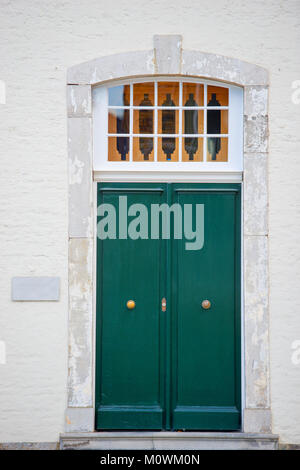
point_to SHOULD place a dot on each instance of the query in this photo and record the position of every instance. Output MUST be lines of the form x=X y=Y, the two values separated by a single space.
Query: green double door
x=168 y=363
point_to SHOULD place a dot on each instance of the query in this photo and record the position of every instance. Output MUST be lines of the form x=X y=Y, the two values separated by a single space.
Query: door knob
x=130 y=304
x=206 y=304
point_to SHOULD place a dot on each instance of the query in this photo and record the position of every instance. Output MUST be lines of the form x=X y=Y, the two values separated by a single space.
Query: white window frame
x=235 y=131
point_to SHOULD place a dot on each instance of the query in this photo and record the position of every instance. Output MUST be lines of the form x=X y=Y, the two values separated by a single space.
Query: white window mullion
x=131 y=124
x=180 y=121
x=155 y=121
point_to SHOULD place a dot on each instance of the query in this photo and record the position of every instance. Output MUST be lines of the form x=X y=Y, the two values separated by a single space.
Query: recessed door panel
x=130 y=358
x=206 y=369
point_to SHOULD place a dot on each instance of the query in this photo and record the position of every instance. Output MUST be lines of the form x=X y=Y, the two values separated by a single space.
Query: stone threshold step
x=168 y=441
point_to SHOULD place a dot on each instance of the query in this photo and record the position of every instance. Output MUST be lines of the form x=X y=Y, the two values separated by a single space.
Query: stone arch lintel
x=167 y=57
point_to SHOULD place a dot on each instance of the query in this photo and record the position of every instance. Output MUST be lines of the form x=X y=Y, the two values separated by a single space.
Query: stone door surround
x=167 y=58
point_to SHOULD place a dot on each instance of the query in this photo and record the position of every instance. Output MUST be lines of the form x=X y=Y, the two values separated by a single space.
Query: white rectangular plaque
x=35 y=288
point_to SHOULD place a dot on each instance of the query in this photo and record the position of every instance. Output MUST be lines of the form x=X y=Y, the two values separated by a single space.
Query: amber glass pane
x=217 y=121
x=143 y=121
x=119 y=95
x=217 y=149
x=143 y=94
x=192 y=121
x=143 y=149
x=118 y=121
x=217 y=96
x=192 y=94
x=192 y=149
x=167 y=149
x=118 y=149
x=167 y=121
x=224 y=122
x=168 y=94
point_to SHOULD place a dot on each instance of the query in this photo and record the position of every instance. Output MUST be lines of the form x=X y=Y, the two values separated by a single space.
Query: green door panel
x=178 y=369
x=130 y=358
x=206 y=343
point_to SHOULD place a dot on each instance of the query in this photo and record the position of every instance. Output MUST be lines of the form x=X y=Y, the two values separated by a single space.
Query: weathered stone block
x=256 y=100
x=79 y=420
x=79 y=100
x=167 y=49
x=255 y=134
x=113 y=66
x=256 y=320
x=80 y=383
x=80 y=177
x=257 y=420
x=255 y=194
x=222 y=68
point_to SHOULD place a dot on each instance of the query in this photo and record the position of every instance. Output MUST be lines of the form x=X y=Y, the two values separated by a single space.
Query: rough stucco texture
x=39 y=42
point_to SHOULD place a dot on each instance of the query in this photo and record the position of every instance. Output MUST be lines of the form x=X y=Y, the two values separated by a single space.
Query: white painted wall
x=40 y=40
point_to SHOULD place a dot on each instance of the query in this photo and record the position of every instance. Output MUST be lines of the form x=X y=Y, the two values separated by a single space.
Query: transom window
x=167 y=122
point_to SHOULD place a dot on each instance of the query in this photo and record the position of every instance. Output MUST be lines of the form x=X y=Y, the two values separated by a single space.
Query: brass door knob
x=206 y=304
x=130 y=304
